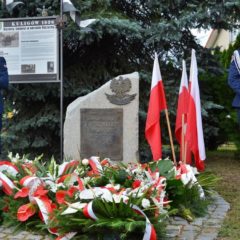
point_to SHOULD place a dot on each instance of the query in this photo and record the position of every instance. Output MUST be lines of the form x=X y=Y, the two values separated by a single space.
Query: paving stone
x=218 y=215
x=17 y=237
x=189 y=235
x=209 y=229
x=174 y=227
x=35 y=237
x=197 y=222
x=2 y=235
x=216 y=222
x=180 y=221
x=212 y=208
x=191 y=227
x=209 y=236
x=7 y=230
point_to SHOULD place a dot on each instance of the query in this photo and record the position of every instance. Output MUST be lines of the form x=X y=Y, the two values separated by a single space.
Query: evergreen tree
x=123 y=40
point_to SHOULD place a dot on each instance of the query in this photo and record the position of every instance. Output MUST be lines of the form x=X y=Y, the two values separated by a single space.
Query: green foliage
x=121 y=41
x=164 y=167
x=187 y=201
x=115 y=219
x=9 y=216
x=118 y=211
x=208 y=181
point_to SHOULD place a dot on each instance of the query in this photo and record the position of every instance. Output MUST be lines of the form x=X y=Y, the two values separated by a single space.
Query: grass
x=226 y=164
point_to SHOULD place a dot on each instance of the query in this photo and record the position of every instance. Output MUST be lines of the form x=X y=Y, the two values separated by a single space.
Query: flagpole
x=183 y=141
x=170 y=137
x=185 y=151
x=61 y=82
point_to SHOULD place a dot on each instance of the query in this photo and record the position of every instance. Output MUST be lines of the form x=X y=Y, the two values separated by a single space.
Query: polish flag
x=157 y=103
x=194 y=134
x=182 y=109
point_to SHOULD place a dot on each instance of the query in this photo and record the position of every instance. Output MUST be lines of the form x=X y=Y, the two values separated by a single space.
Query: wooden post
x=183 y=141
x=185 y=152
x=170 y=137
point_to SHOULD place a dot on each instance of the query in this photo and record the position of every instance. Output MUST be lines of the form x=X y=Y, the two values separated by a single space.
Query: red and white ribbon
x=28 y=181
x=7 y=184
x=9 y=167
x=45 y=208
x=95 y=165
x=73 y=177
x=88 y=211
x=150 y=233
x=32 y=183
x=66 y=166
x=67 y=236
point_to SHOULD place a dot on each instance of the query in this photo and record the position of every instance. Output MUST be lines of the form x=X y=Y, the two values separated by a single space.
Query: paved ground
x=206 y=228
x=179 y=229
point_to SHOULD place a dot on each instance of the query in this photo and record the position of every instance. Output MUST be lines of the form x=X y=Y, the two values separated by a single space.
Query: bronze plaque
x=102 y=133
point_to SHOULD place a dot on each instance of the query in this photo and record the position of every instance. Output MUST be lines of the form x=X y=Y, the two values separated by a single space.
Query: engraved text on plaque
x=102 y=133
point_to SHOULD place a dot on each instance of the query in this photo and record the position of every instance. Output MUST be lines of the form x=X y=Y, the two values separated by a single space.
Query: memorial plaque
x=102 y=133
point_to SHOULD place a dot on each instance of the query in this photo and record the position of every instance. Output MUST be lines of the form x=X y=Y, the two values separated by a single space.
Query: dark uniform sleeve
x=234 y=78
x=4 y=81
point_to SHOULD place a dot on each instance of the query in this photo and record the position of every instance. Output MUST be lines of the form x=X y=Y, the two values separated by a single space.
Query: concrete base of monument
x=205 y=228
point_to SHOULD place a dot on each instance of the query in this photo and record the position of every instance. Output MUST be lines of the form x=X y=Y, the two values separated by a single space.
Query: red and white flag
x=194 y=134
x=157 y=103
x=181 y=118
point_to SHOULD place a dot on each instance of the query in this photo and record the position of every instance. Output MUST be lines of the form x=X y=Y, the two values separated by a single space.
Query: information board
x=30 y=47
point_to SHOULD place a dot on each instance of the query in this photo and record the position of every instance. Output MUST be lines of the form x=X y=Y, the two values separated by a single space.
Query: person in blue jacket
x=4 y=81
x=234 y=81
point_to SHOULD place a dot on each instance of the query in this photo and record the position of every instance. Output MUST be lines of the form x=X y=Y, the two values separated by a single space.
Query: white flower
x=117 y=187
x=73 y=208
x=85 y=161
x=145 y=203
x=117 y=198
x=79 y=171
x=15 y=158
x=60 y=185
x=194 y=170
x=69 y=181
x=137 y=170
x=137 y=192
x=189 y=177
x=201 y=191
x=10 y=155
x=86 y=180
x=87 y=194
x=52 y=185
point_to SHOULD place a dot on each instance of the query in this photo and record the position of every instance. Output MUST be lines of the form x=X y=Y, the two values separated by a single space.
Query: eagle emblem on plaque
x=120 y=87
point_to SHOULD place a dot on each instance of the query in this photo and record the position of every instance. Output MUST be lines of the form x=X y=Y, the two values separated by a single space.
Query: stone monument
x=104 y=123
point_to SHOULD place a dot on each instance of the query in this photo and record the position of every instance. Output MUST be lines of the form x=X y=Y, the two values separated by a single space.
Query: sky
x=202 y=35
